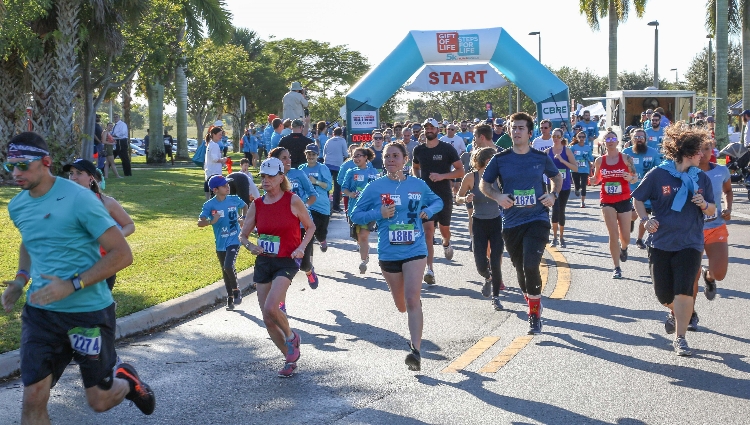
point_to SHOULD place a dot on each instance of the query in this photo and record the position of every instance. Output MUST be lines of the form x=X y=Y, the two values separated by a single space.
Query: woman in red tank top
x=277 y=216
x=615 y=171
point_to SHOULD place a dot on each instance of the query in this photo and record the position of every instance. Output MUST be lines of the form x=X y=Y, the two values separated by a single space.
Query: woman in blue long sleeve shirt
x=398 y=203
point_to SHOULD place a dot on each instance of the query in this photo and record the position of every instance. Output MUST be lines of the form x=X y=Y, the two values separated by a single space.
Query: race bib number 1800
x=269 y=244
x=524 y=198
x=86 y=341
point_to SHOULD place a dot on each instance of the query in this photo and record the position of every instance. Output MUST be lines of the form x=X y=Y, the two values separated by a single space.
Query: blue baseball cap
x=312 y=147
x=218 y=181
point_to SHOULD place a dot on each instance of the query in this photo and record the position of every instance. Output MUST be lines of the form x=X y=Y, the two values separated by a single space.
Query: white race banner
x=462 y=45
x=364 y=120
x=457 y=77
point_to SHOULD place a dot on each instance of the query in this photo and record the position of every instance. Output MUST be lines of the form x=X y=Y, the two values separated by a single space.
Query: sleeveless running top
x=614 y=186
x=277 y=221
x=564 y=170
x=484 y=207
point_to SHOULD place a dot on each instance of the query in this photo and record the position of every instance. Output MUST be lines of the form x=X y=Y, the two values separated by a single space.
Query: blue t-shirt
x=357 y=178
x=322 y=139
x=249 y=144
x=410 y=196
x=654 y=138
x=592 y=131
x=677 y=229
x=643 y=163
x=301 y=185
x=467 y=136
x=583 y=157
x=323 y=174
x=227 y=228
x=718 y=174
x=267 y=132
x=60 y=231
x=521 y=176
x=346 y=166
x=275 y=139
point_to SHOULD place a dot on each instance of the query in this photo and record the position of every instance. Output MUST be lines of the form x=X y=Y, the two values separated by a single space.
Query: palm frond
x=589 y=9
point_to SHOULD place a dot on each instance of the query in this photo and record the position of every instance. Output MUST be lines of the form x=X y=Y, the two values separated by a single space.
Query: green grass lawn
x=171 y=255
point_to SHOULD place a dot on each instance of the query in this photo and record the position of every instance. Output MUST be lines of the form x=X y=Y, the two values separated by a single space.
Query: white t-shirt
x=541 y=144
x=211 y=164
x=457 y=143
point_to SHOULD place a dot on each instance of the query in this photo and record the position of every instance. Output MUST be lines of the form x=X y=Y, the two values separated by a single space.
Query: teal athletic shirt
x=357 y=178
x=410 y=196
x=583 y=157
x=322 y=173
x=346 y=166
x=60 y=231
x=592 y=131
x=521 y=176
x=643 y=163
x=301 y=187
x=654 y=138
x=227 y=228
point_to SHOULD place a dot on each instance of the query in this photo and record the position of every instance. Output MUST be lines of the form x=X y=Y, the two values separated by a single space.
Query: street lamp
x=655 y=24
x=675 y=75
x=539 y=34
x=710 y=57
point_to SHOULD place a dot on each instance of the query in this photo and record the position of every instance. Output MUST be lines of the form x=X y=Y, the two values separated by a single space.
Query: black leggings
x=306 y=264
x=489 y=231
x=581 y=180
x=227 y=259
x=558 y=210
x=525 y=244
x=336 y=205
x=321 y=225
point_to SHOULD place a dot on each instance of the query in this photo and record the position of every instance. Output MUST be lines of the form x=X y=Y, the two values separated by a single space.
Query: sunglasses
x=610 y=139
x=377 y=138
x=21 y=165
x=544 y=128
x=359 y=155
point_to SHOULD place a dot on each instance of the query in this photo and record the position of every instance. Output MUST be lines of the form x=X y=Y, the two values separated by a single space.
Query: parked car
x=137 y=150
x=192 y=145
x=137 y=142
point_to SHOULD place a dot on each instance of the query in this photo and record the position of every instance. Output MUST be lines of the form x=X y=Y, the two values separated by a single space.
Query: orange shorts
x=716 y=235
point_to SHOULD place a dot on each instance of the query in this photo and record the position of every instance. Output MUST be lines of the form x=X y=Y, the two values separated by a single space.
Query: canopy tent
x=462 y=48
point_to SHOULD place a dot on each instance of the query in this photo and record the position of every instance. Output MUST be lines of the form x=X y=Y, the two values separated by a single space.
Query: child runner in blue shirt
x=354 y=183
x=319 y=176
x=398 y=203
x=223 y=213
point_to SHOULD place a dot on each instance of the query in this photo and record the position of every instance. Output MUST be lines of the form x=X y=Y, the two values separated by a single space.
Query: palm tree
x=218 y=22
x=737 y=22
x=616 y=11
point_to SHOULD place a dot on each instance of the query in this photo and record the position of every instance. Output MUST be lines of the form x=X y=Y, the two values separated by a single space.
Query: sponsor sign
x=555 y=111
x=364 y=120
x=463 y=45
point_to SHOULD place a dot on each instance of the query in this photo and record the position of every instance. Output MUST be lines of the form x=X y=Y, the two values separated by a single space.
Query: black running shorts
x=673 y=272
x=396 y=266
x=269 y=268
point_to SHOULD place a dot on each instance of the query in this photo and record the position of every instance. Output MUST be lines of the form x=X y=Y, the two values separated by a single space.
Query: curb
x=174 y=309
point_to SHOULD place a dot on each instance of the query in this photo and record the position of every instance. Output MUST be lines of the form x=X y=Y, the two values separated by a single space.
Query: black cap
x=83 y=165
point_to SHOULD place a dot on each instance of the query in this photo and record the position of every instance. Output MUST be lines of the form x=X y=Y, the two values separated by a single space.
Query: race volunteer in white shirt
x=545 y=140
x=122 y=145
x=458 y=143
x=214 y=162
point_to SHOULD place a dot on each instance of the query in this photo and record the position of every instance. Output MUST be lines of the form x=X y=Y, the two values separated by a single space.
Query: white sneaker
x=363 y=265
x=429 y=277
x=448 y=251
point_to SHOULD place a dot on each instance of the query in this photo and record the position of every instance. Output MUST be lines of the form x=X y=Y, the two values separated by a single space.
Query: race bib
x=396 y=199
x=613 y=188
x=86 y=341
x=524 y=198
x=269 y=244
x=582 y=163
x=401 y=234
x=711 y=217
x=563 y=171
x=359 y=177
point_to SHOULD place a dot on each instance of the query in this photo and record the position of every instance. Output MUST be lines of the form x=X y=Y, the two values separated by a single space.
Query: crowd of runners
x=402 y=186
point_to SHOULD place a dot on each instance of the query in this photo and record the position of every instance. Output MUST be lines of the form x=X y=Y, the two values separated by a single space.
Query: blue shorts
x=46 y=347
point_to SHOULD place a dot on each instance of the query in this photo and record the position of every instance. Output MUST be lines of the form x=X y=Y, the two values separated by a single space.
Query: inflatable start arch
x=457 y=60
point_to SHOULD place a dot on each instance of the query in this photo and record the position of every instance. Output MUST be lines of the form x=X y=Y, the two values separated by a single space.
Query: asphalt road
x=603 y=358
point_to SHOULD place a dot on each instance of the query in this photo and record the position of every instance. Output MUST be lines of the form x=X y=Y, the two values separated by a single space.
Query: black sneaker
x=535 y=324
x=237 y=296
x=140 y=393
x=562 y=243
x=496 y=303
x=230 y=303
x=693 y=325
x=617 y=273
x=640 y=244
x=413 y=359
x=709 y=289
x=669 y=325
x=624 y=255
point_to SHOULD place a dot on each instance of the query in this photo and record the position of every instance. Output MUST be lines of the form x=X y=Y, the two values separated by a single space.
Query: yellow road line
x=563 y=274
x=471 y=354
x=544 y=271
x=507 y=354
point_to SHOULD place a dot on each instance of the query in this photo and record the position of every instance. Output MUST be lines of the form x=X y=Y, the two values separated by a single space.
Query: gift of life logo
x=455 y=45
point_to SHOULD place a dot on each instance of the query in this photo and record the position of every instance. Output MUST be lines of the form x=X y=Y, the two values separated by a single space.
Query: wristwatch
x=556 y=194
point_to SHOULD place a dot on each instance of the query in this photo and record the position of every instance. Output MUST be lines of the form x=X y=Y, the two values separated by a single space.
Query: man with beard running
x=644 y=159
x=526 y=224
x=432 y=162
